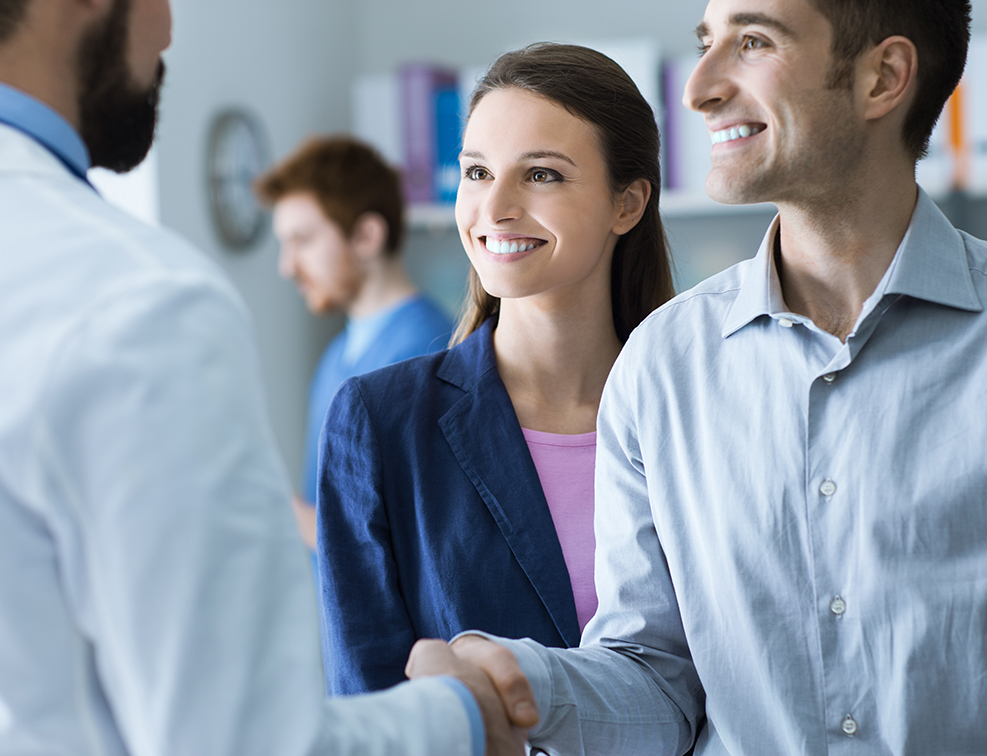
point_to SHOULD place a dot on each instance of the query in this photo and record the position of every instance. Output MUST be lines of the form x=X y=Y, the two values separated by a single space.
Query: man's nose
x=710 y=83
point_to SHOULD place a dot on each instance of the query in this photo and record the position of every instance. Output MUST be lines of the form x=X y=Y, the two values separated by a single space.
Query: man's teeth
x=508 y=247
x=737 y=132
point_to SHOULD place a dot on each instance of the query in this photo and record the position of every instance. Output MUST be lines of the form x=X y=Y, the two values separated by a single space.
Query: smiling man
x=154 y=597
x=791 y=482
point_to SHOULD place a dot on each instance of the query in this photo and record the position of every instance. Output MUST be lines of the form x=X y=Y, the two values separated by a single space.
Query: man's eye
x=752 y=43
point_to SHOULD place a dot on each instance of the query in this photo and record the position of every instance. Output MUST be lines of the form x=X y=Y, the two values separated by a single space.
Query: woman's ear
x=631 y=205
x=369 y=236
x=886 y=76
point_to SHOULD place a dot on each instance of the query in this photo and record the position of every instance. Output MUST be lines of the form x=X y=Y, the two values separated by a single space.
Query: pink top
x=565 y=468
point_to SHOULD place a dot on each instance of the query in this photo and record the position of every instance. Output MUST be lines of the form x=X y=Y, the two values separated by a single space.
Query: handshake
x=493 y=676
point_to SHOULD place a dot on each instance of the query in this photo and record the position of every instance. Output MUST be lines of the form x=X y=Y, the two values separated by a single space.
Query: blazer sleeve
x=366 y=629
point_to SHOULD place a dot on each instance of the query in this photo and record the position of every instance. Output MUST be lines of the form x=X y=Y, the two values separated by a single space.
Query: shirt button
x=837 y=606
x=786 y=322
x=849 y=726
x=828 y=488
x=829 y=377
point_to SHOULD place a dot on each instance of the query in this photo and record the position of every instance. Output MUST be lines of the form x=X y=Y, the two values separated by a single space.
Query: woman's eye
x=475 y=173
x=543 y=176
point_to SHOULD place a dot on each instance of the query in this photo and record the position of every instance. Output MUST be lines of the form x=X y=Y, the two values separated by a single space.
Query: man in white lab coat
x=153 y=595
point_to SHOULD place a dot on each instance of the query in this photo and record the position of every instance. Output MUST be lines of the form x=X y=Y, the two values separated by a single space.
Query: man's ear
x=369 y=236
x=632 y=204
x=886 y=76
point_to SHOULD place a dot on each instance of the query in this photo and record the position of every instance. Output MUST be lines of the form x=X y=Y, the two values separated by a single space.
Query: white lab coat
x=154 y=596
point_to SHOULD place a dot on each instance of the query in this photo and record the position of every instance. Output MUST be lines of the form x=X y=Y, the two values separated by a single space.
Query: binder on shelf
x=934 y=172
x=469 y=77
x=448 y=138
x=640 y=57
x=975 y=110
x=687 y=154
x=421 y=84
x=376 y=114
x=957 y=156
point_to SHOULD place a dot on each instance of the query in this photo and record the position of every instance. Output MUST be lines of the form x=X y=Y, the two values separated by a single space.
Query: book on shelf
x=640 y=57
x=422 y=87
x=448 y=141
x=936 y=170
x=957 y=155
x=376 y=114
x=413 y=117
x=687 y=157
x=975 y=111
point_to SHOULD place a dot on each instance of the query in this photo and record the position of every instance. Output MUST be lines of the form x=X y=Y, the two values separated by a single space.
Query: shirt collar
x=930 y=264
x=46 y=126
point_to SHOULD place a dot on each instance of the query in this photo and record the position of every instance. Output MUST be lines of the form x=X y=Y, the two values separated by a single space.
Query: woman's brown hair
x=594 y=88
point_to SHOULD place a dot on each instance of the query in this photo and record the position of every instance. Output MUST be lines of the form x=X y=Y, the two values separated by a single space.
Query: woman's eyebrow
x=542 y=154
x=534 y=155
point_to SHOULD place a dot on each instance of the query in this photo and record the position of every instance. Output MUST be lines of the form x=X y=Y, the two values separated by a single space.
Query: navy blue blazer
x=431 y=518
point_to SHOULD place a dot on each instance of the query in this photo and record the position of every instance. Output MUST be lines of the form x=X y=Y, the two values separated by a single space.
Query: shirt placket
x=832 y=494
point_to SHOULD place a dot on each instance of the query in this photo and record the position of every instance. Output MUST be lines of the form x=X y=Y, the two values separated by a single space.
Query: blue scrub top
x=414 y=327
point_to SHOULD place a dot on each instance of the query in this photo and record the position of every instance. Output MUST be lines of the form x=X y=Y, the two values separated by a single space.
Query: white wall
x=463 y=34
x=393 y=31
x=290 y=62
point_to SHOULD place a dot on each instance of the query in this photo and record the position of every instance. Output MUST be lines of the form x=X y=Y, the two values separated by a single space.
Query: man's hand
x=305 y=517
x=506 y=690
x=504 y=672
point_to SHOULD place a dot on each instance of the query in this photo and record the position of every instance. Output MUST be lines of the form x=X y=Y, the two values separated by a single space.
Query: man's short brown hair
x=346 y=177
x=940 y=31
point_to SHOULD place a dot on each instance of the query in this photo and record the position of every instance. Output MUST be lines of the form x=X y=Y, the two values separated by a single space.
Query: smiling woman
x=456 y=490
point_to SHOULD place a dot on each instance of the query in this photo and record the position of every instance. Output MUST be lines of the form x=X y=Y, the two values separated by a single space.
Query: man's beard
x=116 y=116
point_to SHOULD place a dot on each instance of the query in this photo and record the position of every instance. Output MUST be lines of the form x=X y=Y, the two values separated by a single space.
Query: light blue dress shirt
x=792 y=531
x=47 y=127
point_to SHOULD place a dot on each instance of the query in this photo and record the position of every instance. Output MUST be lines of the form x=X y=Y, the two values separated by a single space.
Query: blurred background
x=295 y=65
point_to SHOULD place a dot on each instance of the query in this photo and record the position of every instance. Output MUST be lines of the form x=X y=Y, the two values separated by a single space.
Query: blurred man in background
x=339 y=216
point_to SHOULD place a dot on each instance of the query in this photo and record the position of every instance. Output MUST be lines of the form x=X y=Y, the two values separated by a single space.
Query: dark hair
x=12 y=12
x=347 y=178
x=940 y=31
x=592 y=87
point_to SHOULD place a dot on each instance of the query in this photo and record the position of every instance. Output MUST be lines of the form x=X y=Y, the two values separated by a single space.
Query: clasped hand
x=493 y=676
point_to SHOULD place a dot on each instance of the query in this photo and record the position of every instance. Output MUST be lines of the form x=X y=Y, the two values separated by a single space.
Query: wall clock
x=237 y=154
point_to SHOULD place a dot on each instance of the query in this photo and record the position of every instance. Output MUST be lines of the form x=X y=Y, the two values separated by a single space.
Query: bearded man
x=153 y=592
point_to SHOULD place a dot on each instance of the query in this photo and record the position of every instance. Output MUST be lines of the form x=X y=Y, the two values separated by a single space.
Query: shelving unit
x=674 y=205
x=439 y=218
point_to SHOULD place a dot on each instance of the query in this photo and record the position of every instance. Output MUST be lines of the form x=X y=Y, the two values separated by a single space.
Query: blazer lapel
x=486 y=439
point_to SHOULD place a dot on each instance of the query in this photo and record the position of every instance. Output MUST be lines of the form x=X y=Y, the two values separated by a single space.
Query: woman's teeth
x=508 y=247
x=737 y=132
